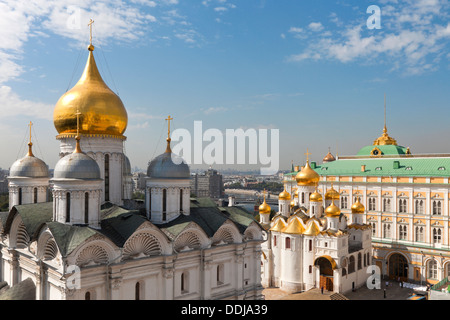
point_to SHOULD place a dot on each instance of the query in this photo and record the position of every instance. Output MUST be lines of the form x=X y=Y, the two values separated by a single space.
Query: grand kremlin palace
x=406 y=197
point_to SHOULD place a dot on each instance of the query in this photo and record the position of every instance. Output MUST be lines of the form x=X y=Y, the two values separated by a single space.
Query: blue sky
x=312 y=69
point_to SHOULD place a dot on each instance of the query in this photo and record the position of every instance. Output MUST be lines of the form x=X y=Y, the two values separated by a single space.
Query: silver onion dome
x=29 y=167
x=168 y=166
x=77 y=166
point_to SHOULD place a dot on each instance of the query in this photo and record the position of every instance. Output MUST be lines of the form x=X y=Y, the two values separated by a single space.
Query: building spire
x=385 y=139
x=90 y=47
x=30 y=144
x=77 y=138
x=168 y=149
x=307 y=154
x=385 y=126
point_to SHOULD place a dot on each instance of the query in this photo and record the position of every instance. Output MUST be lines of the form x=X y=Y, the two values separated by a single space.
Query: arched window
x=106 y=177
x=288 y=243
x=274 y=241
x=150 y=203
x=220 y=274
x=184 y=282
x=402 y=205
x=164 y=208
x=359 y=261
x=20 y=196
x=68 y=207
x=86 y=207
x=35 y=195
x=432 y=269
x=437 y=208
x=403 y=232
x=181 y=200
x=87 y=295
x=419 y=206
x=419 y=234
x=137 y=291
x=351 y=265
x=437 y=235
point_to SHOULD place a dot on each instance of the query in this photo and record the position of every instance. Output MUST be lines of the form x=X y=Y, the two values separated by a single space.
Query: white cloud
x=413 y=35
x=315 y=26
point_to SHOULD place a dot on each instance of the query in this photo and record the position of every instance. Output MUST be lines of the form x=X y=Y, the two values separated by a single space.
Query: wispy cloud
x=413 y=34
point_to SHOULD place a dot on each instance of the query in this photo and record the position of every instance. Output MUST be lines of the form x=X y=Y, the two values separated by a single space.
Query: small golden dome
x=358 y=207
x=103 y=112
x=296 y=192
x=329 y=157
x=294 y=227
x=315 y=197
x=332 y=194
x=332 y=211
x=279 y=225
x=385 y=139
x=264 y=208
x=307 y=176
x=284 y=195
x=312 y=229
x=292 y=204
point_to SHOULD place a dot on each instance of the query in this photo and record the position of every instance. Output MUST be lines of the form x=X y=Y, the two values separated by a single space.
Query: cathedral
x=311 y=243
x=77 y=237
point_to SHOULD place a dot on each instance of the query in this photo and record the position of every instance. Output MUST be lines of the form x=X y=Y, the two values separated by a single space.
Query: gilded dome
x=315 y=197
x=307 y=176
x=358 y=207
x=332 y=194
x=102 y=111
x=294 y=227
x=312 y=229
x=284 y=195
x=332 y=211
x=264 y=208
x=329 y=158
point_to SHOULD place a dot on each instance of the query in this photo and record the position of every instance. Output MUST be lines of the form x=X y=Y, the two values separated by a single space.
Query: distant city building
x=208 y=184
x=139 y=181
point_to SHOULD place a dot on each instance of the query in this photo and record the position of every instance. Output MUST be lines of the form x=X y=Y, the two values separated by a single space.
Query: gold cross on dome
x=30 y=124
x=90 y=30
x=168 y=131
x=307 y=154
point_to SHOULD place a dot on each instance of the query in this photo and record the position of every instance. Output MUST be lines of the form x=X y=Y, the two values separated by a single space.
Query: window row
x=419 y=233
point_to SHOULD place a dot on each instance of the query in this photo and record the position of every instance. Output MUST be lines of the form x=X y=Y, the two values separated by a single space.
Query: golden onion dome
x=358 y=207
x=292 y=204
x=264 y=208
x=332 y=194
x=332 y=211
x=284 y=195
x=307 y=176
x=102 y=111
x=296 y=192
x=315 y=197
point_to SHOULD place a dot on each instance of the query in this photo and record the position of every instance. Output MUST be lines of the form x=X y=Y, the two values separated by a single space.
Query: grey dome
x=168 y=166
x=30 y=167
x=77 y=166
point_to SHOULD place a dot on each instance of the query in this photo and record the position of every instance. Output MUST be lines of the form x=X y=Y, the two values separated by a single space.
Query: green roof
x=407 y=167
x=34 y=216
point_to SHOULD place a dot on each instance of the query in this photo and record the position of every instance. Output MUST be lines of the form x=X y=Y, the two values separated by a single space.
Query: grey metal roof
x=29 y=166
x=168 y=166
x=77 y=166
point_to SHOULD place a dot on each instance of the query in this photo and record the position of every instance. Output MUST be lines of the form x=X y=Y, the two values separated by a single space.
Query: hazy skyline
x=311 y=69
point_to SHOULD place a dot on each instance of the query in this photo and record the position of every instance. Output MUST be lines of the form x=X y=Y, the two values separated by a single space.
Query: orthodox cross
x=307 y=154
x=168 y=131
x=90 y=30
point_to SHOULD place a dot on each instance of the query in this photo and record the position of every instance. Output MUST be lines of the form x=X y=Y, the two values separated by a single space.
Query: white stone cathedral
x=76 y=239
x=311 y=244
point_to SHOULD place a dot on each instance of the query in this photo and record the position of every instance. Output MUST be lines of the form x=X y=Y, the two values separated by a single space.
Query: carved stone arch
x=193 y=237
x=142 y=244
x=227 y=233
x=19 y=237
x=252 y=233
x=93 y=252
x=47 y=248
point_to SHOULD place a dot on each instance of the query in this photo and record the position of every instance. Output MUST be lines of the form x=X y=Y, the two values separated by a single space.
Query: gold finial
x=77 y=138
x=307 y=154
x=385 y=127
x=168 y=149
x=30 y=144
x=90 y=47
